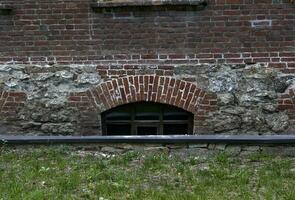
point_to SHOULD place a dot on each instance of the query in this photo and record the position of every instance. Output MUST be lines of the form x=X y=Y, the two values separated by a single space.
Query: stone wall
x=225 y=99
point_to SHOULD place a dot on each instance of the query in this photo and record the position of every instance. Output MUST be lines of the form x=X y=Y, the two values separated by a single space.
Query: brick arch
x=152 y=88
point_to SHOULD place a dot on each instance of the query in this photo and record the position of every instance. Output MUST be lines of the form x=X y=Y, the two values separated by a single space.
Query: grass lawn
x=62 y=172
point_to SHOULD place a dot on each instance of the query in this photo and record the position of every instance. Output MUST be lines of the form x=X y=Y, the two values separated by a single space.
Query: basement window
x=148 y=5
x=5 y=9
x=146 y=118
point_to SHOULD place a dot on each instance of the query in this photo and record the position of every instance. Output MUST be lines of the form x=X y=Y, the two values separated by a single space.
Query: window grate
x=146 y=118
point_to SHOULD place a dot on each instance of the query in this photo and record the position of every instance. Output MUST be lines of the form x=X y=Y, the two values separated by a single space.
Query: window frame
x=134 y=124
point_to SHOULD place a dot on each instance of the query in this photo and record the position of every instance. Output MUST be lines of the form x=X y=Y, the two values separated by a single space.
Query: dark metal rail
x=167 y=139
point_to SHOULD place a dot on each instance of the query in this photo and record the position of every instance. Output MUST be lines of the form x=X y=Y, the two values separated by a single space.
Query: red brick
x=176 y=56
x=287 y=101
x=75 y=98
x=149 y=56
x=126 y=85
x=277 y=65
x=286 y=107
x=188 y=101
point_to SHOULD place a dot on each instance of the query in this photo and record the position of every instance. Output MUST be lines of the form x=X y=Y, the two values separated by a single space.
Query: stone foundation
x=191 y=150
x=68 y=100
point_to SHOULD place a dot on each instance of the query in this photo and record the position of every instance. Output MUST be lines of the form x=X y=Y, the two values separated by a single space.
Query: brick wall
x=226 y=31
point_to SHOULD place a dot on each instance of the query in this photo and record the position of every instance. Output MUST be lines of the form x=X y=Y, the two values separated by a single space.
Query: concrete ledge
x=175 y=139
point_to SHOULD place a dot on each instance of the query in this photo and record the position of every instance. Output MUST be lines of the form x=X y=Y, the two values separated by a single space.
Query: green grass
x=61 y=172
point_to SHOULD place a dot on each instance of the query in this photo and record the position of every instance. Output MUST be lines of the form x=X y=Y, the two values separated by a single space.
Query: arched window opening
x=146 y=118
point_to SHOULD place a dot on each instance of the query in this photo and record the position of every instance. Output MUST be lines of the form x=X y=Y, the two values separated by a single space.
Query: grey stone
x=247 y=99
x=109 y=149
x=282 y=82
x=58 y=128
x=279 y=150
x=225 y=99
x=269 y=107
x=52 y=83
x=156 y=149
x=205 y=145
x=223 y=79
x=37 y=117
x=247 y=154
x=11 y=83
x=233 y=110
x=185 y=153
x=289 y=151
x=251 y=148
x=88 y=78
x=175 y=146
x=278 y=122
x=254 y=120
x=220 y=147
x=65 y=74
x=138 y=148
x=31 y=125
x=5 y=68
x=42 y=76
x=124 y=146
x=233 y=150
x=224 y=123
x=90 y=68
x=211 y=146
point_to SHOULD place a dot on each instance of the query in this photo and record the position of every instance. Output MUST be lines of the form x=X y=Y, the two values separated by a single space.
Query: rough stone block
x=109 y=149
x=233 y=150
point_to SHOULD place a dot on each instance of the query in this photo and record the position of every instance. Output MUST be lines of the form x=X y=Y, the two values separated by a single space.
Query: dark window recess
x=119 y=129
x=148 y=5
x=175 y=129
x=146 y=118
x=5 y=9
x=147 y=130
x=118 y=116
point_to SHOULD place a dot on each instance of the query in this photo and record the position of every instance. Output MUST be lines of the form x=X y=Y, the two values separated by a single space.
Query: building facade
x=83 y=67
